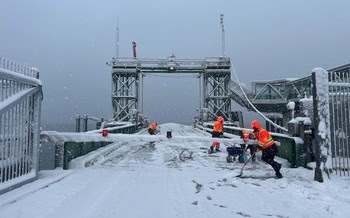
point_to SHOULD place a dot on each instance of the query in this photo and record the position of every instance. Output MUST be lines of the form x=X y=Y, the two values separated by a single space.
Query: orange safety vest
x=153 y=126
x=218 y=127
x=264 y=138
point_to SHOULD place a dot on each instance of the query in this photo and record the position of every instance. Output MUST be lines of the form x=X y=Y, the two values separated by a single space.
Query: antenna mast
x=223 y=34
x=117 y=40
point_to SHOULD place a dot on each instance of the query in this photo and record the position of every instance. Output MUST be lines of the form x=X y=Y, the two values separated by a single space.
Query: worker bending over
x=268 y=147
x=152 y=129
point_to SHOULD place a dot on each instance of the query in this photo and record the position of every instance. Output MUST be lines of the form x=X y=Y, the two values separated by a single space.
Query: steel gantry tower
x=127 y=82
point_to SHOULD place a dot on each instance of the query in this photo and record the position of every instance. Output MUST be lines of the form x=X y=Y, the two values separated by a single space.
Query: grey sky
x=70 y=42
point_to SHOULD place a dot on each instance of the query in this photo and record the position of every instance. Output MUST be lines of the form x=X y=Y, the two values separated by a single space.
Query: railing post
x=77 y=123
x=320 y=92
x=318 y=173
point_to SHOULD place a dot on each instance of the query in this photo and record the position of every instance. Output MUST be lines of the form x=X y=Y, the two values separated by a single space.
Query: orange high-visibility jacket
x=218 y=127
x=264 y=138
x=153 y=126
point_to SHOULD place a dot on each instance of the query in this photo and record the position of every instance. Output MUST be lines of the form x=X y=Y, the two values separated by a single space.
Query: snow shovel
x=250 y=158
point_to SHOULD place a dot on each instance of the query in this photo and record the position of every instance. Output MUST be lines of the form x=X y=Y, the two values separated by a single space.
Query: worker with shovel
x=268 y=147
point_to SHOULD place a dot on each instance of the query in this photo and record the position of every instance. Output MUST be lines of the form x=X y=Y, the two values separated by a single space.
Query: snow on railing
x=62 y=137
x=20 y=102
x=19 y=68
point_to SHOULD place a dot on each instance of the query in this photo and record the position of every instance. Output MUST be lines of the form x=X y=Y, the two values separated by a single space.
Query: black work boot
x=278 y=175
x=279 y=167
x=217 y=149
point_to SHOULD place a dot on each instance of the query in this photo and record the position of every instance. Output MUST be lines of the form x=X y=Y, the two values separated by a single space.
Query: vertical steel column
x=204 y=90
x=77 y=123
x=318 y=173
x=200 y=94
x=336 y=125
x=320 y=90
x=127 y=90
x=347 y=114
x=341 y=132
x=333 y=138
x=36 y=131
x=140 y=92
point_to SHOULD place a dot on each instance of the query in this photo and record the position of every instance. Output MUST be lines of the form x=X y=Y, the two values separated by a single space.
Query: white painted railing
x=20 y=103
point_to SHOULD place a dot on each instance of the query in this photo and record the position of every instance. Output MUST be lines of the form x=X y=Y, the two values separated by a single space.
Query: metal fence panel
x=331 y=118
x=20 y=103
x=339 y=109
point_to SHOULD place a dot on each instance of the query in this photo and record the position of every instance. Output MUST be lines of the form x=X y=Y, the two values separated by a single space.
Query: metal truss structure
x=216 y=87
x=273 y=96
x=127 y=82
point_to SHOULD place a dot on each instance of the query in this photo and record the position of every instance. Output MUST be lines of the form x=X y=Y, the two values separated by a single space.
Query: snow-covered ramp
x=172 y=179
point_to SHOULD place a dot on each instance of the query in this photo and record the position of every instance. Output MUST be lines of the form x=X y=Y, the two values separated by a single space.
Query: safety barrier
x=20 y=103
x=66 y=147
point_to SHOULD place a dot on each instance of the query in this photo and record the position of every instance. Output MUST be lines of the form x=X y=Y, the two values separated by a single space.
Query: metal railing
x=331 y=101
x=20 y=103
x=339 y=94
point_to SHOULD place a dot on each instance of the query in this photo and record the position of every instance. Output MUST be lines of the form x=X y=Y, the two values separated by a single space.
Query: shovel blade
x=240 y=174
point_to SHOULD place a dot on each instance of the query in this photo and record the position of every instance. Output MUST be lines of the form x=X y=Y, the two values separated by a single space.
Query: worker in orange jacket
x=152 y=129
x=268 y=147
x=218 y=131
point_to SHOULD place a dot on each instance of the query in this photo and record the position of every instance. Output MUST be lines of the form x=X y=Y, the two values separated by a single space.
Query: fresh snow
x=291 y=105
x=145 y=179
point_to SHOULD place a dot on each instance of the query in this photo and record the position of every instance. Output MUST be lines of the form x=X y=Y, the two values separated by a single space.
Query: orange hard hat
x=255 y=124
x=220 y=119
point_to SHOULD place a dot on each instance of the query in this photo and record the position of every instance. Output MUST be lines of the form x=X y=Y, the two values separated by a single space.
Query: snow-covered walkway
x=150 y=180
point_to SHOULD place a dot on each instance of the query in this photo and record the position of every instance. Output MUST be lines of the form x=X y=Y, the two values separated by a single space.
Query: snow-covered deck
x=143 y=179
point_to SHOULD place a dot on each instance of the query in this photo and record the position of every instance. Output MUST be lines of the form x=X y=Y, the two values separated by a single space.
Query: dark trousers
x=216 y=135
x=151 y=131
x=269 y=154
x=250 y=147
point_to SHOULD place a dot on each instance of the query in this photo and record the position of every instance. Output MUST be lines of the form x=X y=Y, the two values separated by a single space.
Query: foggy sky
x=70 y=42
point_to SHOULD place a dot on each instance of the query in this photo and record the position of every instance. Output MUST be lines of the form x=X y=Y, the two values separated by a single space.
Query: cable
x=251 y=104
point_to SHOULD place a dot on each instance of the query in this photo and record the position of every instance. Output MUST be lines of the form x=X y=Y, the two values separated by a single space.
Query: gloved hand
x=257 y=149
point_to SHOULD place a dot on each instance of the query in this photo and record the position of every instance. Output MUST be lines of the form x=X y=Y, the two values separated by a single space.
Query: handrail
x=26 y=80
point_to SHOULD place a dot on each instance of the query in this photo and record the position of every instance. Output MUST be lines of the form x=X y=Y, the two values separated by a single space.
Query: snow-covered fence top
x=22 y=69
x=20 y=102
x=62 y=137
